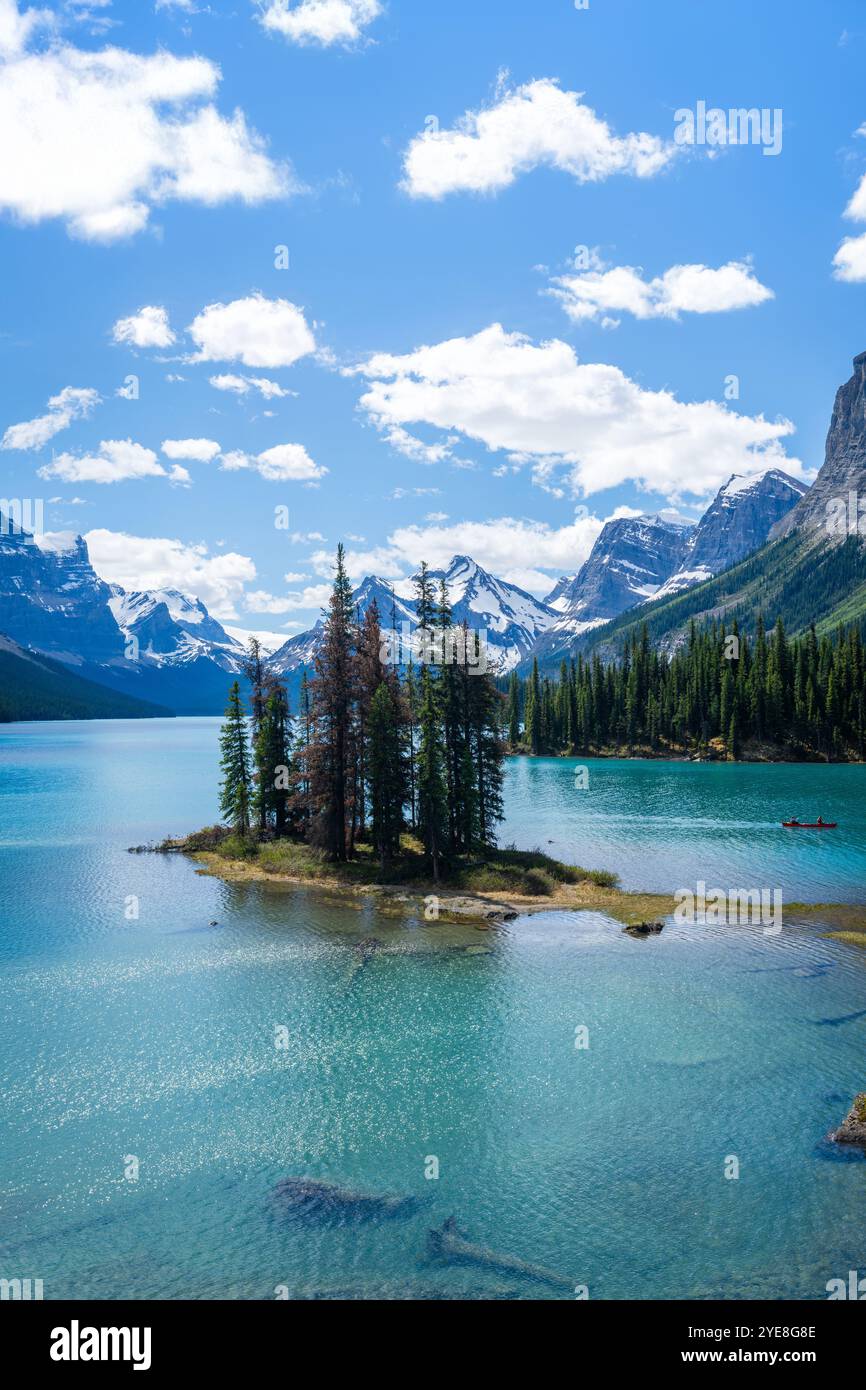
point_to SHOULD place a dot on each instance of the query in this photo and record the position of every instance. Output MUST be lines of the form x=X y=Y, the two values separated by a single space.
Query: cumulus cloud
x=411 y=448
x=601 y=291
x=200 y=450
x=585 y=422
x=256 y=331
x=72 y=403
x=116 y=461
x=17 y=28
x=849 y=263
x=100 y=138
x=527 y=127
x=242 y=385
x=512 y=548
x=323 y=22
x=149 y=328
x=283 y=463
x=149 y=562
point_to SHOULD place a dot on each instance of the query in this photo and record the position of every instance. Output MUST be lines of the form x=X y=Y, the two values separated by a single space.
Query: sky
x=425 y=279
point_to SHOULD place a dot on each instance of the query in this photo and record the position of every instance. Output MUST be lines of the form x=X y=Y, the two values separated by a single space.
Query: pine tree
x=533 y=711
x=331 y=769
x=432 y=794
x=386 y=772
x=235 y=789
x=513 y=710
x=273 y=763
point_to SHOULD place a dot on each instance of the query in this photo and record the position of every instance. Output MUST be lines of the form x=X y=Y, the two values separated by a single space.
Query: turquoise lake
x=150 y=1042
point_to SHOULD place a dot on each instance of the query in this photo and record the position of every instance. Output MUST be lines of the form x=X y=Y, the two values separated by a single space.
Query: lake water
x=150 y=1042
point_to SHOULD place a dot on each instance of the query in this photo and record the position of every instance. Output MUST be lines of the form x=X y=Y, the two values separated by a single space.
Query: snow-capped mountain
x=53 y=602
x=511 y=618
x=631 y=559
x=300 y=651
x=636 y=559
x=738 y=521
x=171 y=628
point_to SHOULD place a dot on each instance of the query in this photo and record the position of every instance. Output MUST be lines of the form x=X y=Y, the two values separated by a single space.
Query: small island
x=486 y=889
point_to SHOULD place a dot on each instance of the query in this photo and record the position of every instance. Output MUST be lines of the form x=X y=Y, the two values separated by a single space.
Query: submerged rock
x=853 y=1127
x=328 y=1200
x=644 y=928
x=450 y=1245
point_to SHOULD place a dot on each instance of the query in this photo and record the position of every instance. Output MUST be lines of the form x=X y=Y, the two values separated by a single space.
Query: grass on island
x=503 y=872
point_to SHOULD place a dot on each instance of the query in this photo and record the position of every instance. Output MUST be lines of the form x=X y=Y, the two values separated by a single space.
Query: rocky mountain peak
x=844 y=468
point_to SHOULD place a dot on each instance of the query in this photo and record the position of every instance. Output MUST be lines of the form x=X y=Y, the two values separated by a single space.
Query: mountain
x=808 y=572
x=737 y=522
x=512 y=619
x=36 y=687
x=844 y=468
x=558 y=596
x=631 y=559
x=52 y=602
x=299 y=653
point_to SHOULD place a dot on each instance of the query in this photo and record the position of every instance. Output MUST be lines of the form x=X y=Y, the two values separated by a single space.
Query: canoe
x=809 y=825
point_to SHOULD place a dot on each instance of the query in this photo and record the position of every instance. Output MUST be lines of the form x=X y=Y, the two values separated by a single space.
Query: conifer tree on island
x=236 y=788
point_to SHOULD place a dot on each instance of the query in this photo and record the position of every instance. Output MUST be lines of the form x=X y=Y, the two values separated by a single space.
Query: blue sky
x=140 y=188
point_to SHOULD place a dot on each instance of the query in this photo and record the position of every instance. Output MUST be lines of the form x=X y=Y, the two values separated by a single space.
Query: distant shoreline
x=751 y=758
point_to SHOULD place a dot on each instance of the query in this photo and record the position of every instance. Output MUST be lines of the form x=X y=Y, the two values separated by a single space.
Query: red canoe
x=809 y=825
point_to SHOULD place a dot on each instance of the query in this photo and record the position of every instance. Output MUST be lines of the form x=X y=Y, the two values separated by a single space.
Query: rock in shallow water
x=853 y=1127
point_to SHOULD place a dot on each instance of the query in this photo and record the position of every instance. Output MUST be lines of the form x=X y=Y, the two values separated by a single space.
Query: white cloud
x=149 y=328
x=849 y=263
x=512 y=548
x=16 y=28
x=319 y=21
x=306 y=538
x=689 y=289
x=257 y=331
x=200 y=450
x=260 y=601
x=100 y=138
x=72 y=403
x=411 y=448
x=282 y=463
x=536 y=124
x=139 y=562
x=242 y=385
x=117 y=460
x=312 y=597
x=586 y=421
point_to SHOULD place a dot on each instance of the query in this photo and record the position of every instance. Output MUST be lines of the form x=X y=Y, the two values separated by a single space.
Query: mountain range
x=763 y=543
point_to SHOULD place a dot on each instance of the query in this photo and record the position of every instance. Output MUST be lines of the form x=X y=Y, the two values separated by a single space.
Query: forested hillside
x=35 y=687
